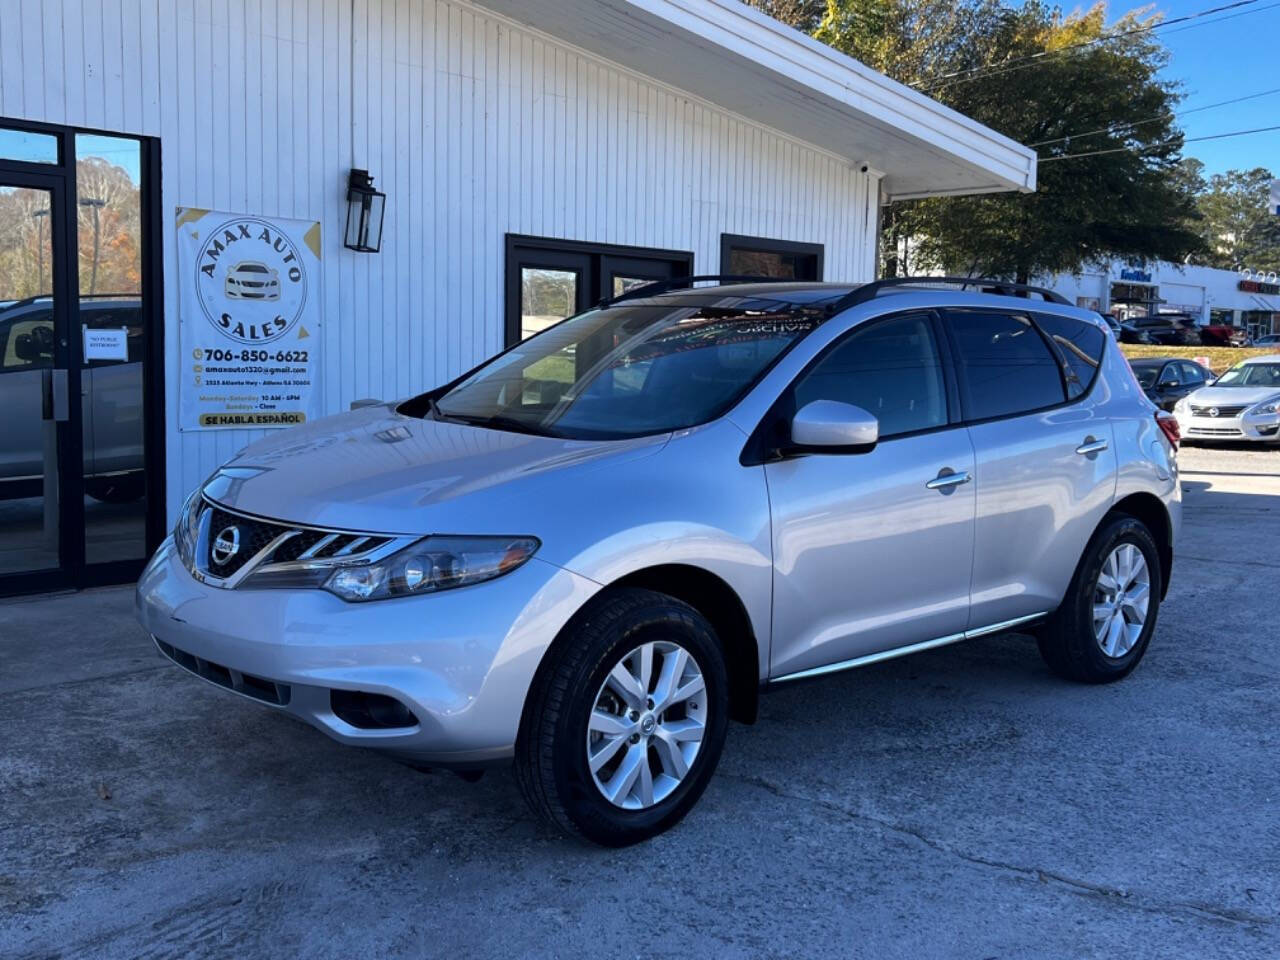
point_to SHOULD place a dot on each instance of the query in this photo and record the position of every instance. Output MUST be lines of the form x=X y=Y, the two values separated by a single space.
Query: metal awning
x=735 y=57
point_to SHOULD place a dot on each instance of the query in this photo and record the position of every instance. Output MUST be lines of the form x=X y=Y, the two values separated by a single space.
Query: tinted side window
x=1192 y=373
x=1081 y=346
x=1007 y=367
x=890 y=368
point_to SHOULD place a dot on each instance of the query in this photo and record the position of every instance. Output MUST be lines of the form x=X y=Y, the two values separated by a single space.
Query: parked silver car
x=1242 y=404
x=112 y=404
x=592 y=551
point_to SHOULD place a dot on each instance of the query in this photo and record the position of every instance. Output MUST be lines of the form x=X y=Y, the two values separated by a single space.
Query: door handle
x=947 y=480
x=1091 y=445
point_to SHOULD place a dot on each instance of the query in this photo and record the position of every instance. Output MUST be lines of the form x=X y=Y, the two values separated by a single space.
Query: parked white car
x=1242 y=404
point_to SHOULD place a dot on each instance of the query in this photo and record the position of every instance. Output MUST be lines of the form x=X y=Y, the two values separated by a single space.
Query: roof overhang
x=735 y=57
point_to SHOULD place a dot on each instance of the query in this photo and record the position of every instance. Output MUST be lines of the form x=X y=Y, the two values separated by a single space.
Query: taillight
x=1169 y=424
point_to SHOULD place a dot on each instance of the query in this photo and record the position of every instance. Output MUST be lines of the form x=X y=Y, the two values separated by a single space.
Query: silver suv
x=592 y=551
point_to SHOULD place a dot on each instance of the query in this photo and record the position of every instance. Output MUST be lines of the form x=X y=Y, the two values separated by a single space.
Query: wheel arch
x=1149 y=508
x=712 y=597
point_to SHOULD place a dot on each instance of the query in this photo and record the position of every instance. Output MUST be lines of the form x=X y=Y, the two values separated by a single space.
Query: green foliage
x=1220 y=358
x=1131 y=200
x=1238 y=229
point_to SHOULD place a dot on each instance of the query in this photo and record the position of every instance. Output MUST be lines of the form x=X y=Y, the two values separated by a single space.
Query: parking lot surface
x=962 y=802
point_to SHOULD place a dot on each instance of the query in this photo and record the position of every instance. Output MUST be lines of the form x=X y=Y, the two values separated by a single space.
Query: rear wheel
x=1104 y=625
x=626 y=719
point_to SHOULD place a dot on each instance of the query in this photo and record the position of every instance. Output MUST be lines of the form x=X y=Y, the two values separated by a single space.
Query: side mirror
x=828 y=426
x=1170 y=383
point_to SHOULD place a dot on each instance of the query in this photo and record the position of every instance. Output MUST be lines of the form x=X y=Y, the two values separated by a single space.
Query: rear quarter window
x=1080 y=344
x=1006 y=366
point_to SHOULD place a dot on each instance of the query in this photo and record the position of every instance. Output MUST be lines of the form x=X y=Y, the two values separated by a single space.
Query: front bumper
x=461 y=660
x=1244 y=427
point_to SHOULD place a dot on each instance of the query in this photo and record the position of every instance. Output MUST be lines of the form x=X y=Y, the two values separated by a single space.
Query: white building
x=1211 y=296
x=534 y=155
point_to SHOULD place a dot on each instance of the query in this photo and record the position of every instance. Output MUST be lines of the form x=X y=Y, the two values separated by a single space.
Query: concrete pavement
x=960 y=803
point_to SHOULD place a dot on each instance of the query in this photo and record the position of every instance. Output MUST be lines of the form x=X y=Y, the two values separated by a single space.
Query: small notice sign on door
x=106 y=344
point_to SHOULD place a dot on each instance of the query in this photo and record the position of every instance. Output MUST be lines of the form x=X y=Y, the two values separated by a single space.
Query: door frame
x=73 y=571
x=523 y=250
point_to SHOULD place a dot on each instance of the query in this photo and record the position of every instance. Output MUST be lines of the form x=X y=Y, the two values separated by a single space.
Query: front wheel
x=626 y=719
x=1104 y=625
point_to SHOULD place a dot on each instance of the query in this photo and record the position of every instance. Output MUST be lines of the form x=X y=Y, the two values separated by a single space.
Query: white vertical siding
x=472 y=126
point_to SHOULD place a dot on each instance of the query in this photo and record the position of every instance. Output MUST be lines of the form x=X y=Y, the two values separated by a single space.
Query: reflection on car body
x=112 y=392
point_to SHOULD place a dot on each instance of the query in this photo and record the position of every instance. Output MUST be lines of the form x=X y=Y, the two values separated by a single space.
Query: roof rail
x=869 y=291
x=654 y=287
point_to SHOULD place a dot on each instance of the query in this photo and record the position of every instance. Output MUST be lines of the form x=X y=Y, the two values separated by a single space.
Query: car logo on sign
x=226 y=545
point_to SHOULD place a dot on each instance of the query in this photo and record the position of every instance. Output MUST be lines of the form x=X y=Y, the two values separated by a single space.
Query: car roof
x=1153 y=361
x=1265 y=358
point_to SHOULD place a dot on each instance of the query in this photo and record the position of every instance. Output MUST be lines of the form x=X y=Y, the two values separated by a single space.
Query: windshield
x=1146 y=376
x=1251 y=375
x=629 y=370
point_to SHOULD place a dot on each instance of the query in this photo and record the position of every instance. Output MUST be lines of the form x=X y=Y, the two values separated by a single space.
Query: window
x=890 y=368
x=1005 y=364
x=28 y=339
x=28 y=146
x=761 y=257
x=628 y=370
x=1081 y=347
x=1192 y=373
x=549 y=279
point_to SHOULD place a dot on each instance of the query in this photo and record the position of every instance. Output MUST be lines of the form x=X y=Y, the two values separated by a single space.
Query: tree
x=804 y=15
x=1128 y=198
x=1238 y=228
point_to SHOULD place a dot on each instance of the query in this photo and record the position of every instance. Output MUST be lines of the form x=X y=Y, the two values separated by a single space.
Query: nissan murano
x=588 y=554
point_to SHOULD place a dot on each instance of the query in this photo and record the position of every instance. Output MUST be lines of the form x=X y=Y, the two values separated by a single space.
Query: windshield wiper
x=497 y=422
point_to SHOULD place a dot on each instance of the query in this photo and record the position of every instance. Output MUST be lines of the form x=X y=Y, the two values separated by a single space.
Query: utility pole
x=39 y=216
x=96 y=204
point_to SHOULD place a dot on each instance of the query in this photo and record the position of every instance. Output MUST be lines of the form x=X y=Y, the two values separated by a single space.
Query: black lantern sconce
x=365 y=207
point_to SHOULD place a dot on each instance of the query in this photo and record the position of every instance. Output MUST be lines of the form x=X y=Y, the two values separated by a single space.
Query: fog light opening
x=370 y=711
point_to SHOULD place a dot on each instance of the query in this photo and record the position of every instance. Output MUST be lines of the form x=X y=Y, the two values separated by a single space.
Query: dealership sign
x=249 y=315
x=1257 y=286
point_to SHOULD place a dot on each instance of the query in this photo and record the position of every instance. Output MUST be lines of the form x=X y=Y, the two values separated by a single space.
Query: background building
x=534 y=156
x=1211 y=296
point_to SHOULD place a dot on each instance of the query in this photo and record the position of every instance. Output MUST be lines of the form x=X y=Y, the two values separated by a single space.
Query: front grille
x=1215 y=432
x=231 y=542
x=1233 y=411
x=250 y=537
x=259 y=688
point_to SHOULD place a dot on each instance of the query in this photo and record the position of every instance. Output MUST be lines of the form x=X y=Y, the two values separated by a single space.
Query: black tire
x=1067 y=641
x=551 y=755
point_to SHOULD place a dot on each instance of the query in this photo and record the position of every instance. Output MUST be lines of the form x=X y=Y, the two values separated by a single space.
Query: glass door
x=33 y=375
x=81 y=385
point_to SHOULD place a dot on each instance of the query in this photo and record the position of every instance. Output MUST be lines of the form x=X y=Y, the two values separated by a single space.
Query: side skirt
x=909 y=649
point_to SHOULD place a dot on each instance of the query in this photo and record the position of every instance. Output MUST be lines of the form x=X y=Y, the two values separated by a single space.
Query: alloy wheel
x=1121 y=598
x=646 y=725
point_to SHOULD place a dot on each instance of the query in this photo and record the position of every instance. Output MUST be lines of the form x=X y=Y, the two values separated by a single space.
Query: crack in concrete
x=1078 y=887
x=82 y=680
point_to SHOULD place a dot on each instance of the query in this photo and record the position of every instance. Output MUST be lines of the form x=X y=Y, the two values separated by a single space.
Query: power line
x=961 y=76
x=1121 y=127
x=1156 y=146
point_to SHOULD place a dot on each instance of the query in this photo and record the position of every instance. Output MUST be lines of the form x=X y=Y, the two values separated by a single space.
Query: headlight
x=430 y=565
x=1266 y=407
x=187 y=532
x=1181 y=406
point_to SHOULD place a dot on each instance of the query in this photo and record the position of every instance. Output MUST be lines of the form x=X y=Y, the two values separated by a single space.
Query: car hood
x=376 y=470
x=1231 y=396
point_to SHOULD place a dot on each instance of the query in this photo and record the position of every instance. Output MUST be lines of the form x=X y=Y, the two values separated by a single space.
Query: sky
x=1221 y=61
